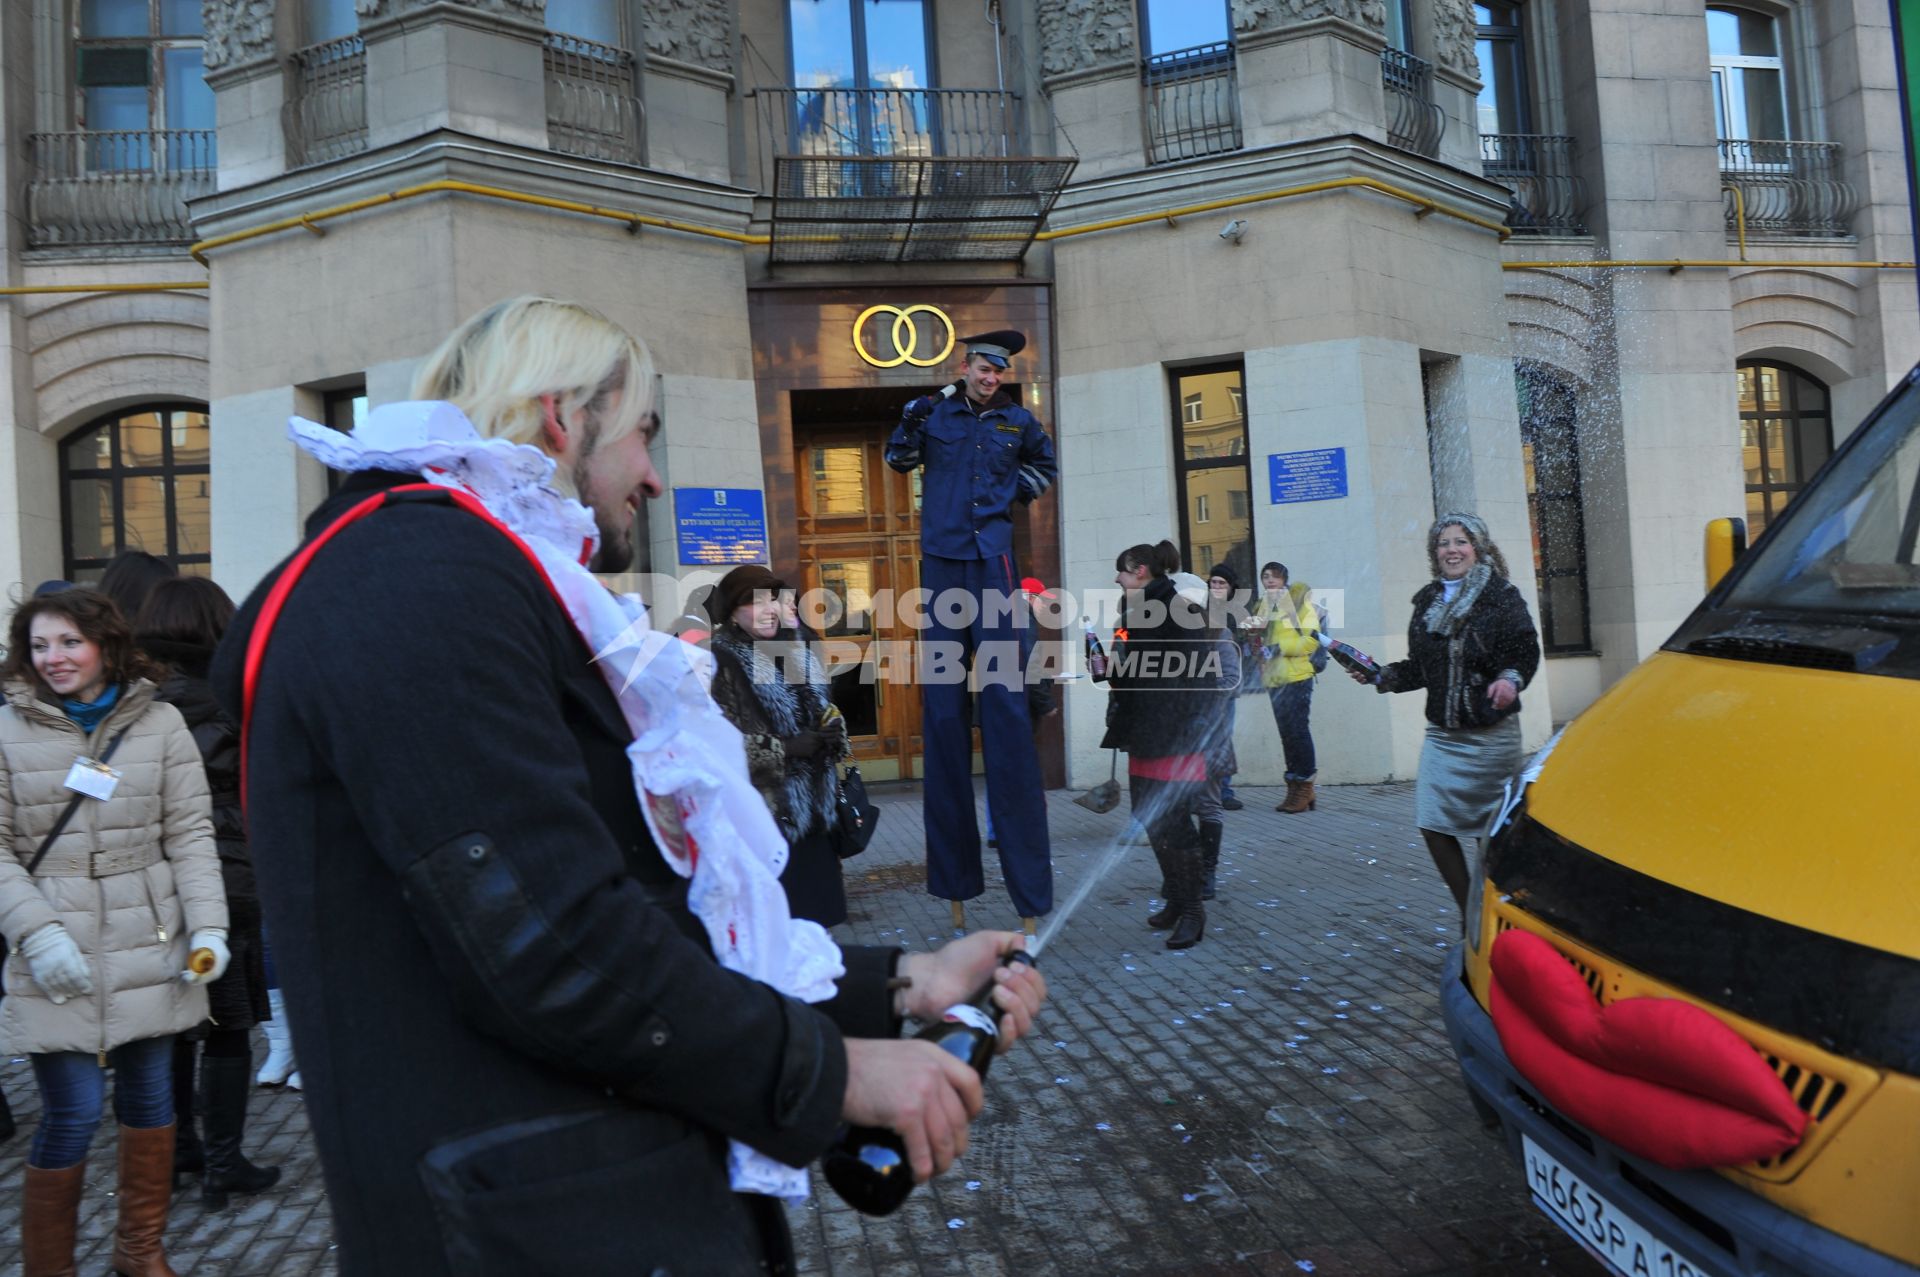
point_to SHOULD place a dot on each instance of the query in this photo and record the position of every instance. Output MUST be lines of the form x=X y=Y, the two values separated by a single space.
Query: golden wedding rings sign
x=905 y=336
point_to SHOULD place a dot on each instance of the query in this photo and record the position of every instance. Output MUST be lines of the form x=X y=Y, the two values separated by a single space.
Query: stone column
x=1640 y=102
x=1090 y=68
x=263 y=486
x=242 y=55
x=688 y=48
x=473 y=66
x=1309 y=69
x=1456 y=81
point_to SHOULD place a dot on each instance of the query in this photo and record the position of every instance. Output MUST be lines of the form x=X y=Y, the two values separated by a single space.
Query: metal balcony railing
x=1789 y=188
x=969 y=123
x=1192 y=103
x=1414 y=122
x=1538 y=168
x=902 y=174
x=593 y=109
x=116 y=187
x=326 y=110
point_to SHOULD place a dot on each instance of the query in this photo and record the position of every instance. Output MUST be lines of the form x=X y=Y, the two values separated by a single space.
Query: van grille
x=1827 y=1088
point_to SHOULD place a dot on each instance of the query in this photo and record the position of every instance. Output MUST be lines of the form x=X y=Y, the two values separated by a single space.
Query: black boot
x=1190 y=922
x=188 y=1158
x=7 y=1127
x=224 y=1104
x=1163 y=919
x=1210 y=831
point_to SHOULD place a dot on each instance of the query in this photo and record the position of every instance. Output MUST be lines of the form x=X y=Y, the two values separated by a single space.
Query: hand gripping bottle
x=1351 y=658
x=868 y=1165
x=1096 y=656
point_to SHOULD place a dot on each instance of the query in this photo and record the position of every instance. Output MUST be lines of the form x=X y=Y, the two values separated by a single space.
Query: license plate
x=1613 y=1236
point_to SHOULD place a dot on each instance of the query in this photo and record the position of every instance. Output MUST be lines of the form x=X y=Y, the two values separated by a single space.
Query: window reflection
x=138 y=480
x=851 y=581
x=839 y=479
x=1785 y=435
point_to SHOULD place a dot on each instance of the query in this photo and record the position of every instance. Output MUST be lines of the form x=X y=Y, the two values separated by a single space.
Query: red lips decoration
x=1657 y=1077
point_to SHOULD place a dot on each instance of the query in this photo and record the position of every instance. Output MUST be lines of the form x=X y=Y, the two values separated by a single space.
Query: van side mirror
x=1726 y=542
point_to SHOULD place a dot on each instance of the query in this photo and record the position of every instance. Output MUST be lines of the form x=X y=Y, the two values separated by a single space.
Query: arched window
x=1785 y=435
x=1550 y=448
x=137 y=480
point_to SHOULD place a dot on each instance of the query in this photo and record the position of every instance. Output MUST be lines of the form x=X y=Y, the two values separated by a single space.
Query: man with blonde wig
x=551 y=1013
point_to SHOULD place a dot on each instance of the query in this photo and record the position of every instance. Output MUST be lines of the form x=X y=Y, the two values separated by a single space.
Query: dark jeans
x=1292 y=707
x=73 y=1090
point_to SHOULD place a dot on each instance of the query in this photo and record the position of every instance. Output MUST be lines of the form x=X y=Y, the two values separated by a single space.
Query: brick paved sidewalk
x=1279 y=1099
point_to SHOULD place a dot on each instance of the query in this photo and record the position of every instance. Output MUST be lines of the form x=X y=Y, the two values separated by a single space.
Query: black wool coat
x=1166 y=679
x=238 y=998
x=1499 y=636
x=519 y=1053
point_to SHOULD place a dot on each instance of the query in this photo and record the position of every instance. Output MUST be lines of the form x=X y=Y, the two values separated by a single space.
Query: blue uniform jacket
x=978 y=463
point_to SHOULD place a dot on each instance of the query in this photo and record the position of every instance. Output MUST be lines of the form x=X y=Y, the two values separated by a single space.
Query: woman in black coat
x=794 y=733
x=179 y=626
x=1472 y=645
x=1165 y=712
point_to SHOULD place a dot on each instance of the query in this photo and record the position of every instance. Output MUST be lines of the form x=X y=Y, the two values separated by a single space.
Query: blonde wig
x=496 y=366
x=1484 y=550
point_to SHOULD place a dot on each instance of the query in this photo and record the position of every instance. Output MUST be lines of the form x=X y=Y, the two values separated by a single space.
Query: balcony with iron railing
x=1787 y=188
x=1192 y=99
x=1414 y=122
x=1538 y=169
x=326 y=108
x=112 y=188
x=593 y=103
x=902 y=174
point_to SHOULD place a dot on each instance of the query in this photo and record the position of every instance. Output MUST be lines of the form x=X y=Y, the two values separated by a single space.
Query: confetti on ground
x=1101 y=1126
x=1304 y=1265
x=1189 y=1197
x=973 y=1186
x=956 y=1223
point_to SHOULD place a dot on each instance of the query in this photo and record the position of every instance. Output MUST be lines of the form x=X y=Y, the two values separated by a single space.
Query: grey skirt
x=1463 y=775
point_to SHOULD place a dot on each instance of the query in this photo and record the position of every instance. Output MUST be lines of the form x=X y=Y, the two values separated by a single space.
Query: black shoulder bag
x=60 y=825
x=854 y=816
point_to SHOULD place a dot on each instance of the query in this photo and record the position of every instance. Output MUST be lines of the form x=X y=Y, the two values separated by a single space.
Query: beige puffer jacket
x=131 y=877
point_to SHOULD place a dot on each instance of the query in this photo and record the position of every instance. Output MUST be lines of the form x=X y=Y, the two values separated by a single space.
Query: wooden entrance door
x=859 y=535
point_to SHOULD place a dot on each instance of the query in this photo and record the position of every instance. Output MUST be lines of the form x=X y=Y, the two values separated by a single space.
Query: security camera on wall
x=1233 y=230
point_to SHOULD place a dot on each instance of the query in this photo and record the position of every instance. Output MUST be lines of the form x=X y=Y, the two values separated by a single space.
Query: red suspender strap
x=283 y=586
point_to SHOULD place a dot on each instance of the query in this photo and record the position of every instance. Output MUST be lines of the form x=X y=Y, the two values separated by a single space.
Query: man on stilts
x=982 y=452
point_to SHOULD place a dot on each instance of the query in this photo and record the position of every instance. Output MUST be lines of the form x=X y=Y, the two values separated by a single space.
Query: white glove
x=57 y=964
x=215 y=942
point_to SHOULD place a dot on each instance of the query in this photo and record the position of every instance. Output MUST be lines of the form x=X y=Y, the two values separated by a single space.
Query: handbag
x=854 y=817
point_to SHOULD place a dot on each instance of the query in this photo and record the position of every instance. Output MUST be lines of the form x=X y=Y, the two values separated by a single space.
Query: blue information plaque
x=1319 y=474
x=721 y=525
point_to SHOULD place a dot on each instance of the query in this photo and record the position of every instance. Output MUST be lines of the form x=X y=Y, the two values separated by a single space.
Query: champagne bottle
x=1096 y=655
x=868 y=1165
x=1351 y=657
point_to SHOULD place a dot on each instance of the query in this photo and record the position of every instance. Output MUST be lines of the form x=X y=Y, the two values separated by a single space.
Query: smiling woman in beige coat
x=101 y=931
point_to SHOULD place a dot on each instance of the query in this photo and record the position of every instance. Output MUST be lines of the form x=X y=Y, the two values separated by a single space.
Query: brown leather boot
x=48 y=1217
x=1299 y=797
x=1293 y=787
x=146 y=1189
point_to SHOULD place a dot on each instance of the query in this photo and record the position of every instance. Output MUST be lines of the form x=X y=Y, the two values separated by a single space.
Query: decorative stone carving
x=697 y=32
x=1077 y=35
x=1453 y=37
x=238 y=32
x=1250 y=16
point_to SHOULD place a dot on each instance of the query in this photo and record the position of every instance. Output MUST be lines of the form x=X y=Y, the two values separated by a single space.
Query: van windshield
x=1847 y=546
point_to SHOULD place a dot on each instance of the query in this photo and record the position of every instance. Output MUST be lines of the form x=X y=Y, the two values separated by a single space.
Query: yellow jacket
x=1287 y=642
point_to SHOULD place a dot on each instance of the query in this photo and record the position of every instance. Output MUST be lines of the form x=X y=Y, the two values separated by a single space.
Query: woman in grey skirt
x=1471 y=644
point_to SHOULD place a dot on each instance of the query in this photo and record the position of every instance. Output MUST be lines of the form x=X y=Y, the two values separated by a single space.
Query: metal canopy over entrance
x=898 y=208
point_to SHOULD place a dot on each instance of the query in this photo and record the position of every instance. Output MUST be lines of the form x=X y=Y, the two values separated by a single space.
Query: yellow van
x=1737 y=824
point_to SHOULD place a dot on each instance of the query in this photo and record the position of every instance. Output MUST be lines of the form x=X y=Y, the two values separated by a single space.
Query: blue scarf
x=88 y=715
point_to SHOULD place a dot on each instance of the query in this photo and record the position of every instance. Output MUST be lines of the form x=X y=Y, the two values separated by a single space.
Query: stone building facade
x=1297 y=273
